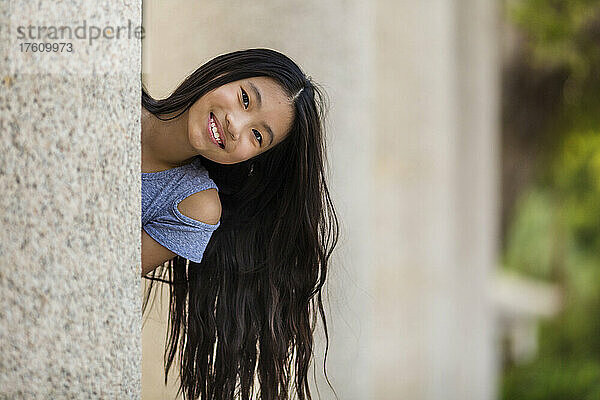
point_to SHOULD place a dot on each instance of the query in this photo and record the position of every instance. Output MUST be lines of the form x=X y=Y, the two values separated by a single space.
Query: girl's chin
x=215 y=158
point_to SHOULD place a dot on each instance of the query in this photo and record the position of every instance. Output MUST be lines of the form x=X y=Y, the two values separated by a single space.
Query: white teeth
x=215 y=131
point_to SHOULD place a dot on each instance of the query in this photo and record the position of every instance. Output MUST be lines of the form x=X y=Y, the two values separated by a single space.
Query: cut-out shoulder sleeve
x=202 y=206
x=187 y=229
x=182 y=234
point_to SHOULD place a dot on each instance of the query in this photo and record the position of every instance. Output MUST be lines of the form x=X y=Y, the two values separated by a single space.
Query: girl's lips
x=212 y=117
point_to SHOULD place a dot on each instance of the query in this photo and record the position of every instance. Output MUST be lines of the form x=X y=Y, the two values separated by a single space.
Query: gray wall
x=70 y=239
x=436 y=206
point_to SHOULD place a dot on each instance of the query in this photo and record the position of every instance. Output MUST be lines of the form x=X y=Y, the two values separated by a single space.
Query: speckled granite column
x=69 y=173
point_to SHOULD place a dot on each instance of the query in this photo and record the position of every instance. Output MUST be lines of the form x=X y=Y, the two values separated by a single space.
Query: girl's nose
x=234 y=125
x=237 y=124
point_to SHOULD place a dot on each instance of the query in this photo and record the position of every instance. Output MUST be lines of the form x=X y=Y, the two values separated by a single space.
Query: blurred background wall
x=414 y=166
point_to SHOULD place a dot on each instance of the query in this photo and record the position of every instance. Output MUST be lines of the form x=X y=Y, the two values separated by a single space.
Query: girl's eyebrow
x=256 y=93
x=270 y=132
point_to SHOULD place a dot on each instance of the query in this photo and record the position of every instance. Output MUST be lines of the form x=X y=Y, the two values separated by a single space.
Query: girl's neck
x=165 y=144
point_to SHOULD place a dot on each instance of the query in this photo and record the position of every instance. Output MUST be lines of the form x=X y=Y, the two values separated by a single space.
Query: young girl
x=234 y=197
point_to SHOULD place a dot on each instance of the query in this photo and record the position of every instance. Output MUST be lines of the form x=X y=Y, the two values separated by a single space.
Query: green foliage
x=531 y=237
x=554 y=234
x=554 y=379
x=577 y=180
x=557 y=31
x=565 y=35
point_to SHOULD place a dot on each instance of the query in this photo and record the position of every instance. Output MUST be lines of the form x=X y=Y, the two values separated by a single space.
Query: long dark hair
x=249 y=308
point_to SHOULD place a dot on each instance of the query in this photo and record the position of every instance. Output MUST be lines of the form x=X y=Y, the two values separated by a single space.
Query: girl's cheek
x=245 y=155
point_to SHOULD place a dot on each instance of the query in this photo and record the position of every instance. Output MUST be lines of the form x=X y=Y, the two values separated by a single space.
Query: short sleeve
x=181 y=234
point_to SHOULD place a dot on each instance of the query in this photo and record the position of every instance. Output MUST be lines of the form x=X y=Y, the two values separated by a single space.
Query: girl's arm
x=153 y=253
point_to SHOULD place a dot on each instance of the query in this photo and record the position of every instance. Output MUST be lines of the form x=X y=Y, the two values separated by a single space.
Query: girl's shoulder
x=203 y=206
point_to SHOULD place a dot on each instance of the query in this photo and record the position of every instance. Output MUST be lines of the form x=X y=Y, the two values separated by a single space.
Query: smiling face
x=239 y=120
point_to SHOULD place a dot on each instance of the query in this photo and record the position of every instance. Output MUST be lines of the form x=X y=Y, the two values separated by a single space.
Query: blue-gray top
x=161 y=219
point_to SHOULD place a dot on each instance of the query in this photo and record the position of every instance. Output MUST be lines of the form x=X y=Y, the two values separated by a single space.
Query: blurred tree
x=551 y=187
x=550 y=86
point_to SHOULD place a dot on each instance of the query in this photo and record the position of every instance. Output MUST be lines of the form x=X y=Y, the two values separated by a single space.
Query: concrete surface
x=69 y=171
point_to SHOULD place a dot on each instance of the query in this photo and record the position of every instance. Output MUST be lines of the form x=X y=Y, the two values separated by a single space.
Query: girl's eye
x=245 y=99
x=257 y=135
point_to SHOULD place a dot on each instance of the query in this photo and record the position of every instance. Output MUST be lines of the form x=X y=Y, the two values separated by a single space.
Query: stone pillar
x=69 y=172
x=436 y=208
